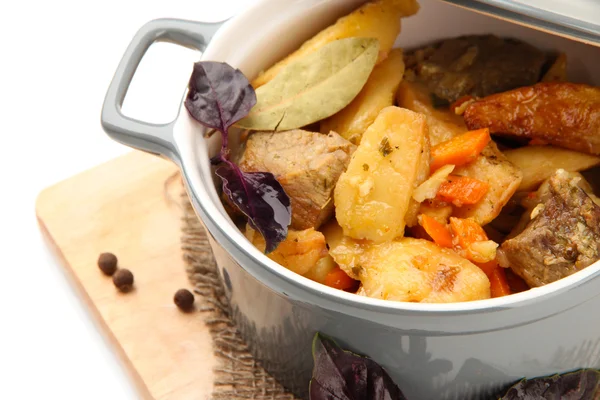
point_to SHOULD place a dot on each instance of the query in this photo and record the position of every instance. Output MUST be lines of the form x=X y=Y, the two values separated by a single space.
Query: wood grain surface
x=121 y=207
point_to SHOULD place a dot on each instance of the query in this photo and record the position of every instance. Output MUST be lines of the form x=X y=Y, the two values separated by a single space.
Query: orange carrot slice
x=498 y=283
x=467 y=231
x=488 y=267
x=338 y=279
x=460 y=190
x=460 y=150
x=437 y=231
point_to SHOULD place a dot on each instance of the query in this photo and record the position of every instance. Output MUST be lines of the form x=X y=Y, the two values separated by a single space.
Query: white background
x=57 y=60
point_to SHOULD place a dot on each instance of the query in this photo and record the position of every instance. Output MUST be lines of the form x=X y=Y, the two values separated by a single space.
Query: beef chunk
x=307 y=164
x=563 y=236
x=477 y=65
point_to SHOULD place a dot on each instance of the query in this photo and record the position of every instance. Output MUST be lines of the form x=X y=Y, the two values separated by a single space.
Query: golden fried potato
x=407 y=269
x=559 y=113
x=539 y=163
x=503 y=178
x=378 y=19
x=374 y=194
x=299 y=252
x=378 y=93
x=443 y=123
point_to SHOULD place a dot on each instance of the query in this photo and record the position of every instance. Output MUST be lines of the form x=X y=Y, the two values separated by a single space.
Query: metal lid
x=575 y=19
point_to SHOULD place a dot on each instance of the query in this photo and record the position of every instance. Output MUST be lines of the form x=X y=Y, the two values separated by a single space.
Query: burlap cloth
x=237 y=374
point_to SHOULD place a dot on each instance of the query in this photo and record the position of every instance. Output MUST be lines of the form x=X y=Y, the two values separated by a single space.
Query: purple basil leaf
x=219 y=95
x=343 y=375
x=261 y=198
x=583 y=384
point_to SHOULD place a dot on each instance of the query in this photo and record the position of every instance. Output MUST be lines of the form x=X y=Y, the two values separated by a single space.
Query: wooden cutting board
x=121 y=207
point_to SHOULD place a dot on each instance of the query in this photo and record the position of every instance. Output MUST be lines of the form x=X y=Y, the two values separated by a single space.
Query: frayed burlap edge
x=237 y=374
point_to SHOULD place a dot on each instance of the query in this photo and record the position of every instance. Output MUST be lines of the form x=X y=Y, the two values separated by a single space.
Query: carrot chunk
x=338 y=279
x=467 y=231
x=437 y=231
x=498 y=284
x=460 y=190
x=460 y=150
x=488 y=267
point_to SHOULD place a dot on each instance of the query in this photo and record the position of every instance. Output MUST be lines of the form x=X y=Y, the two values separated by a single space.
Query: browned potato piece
x=559 y=113
x=558 y=70
x=378 y=19
x=407 y=269
x=373 y=196
x=539 y=163
x=377 y=94
x=443 y=123
x=299 y=252
x=502 y=177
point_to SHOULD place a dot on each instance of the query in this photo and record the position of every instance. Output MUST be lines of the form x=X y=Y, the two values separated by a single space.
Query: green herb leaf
x=314 y=87
x=384 y=147
x=578 y=385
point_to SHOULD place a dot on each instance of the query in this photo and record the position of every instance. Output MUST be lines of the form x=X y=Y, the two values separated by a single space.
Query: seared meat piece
x=559 y=113
x=563 y=236
x=476 y=65
x=307 y=164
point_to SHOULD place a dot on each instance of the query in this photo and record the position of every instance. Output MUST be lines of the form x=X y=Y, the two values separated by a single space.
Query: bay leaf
x=314 y=87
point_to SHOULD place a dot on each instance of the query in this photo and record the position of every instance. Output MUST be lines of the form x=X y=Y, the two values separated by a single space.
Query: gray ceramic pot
x=433 y=351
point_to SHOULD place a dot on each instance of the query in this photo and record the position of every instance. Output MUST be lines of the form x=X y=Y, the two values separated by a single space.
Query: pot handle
x=152 y=138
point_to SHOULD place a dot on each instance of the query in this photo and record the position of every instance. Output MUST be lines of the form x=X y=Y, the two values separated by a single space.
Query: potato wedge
x=562 y=114
x=558 y=70
x=378 y=19
x=408 y=269
x=539 y=163
x=377 y=94
x=373 y=196
x=423 y=171
x=299 y=252
x=443 y=123
x=503 y=178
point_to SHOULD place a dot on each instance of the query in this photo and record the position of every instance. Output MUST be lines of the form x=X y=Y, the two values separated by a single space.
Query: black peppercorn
x=107 y=262
x=123 y=280
x=184 y=299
